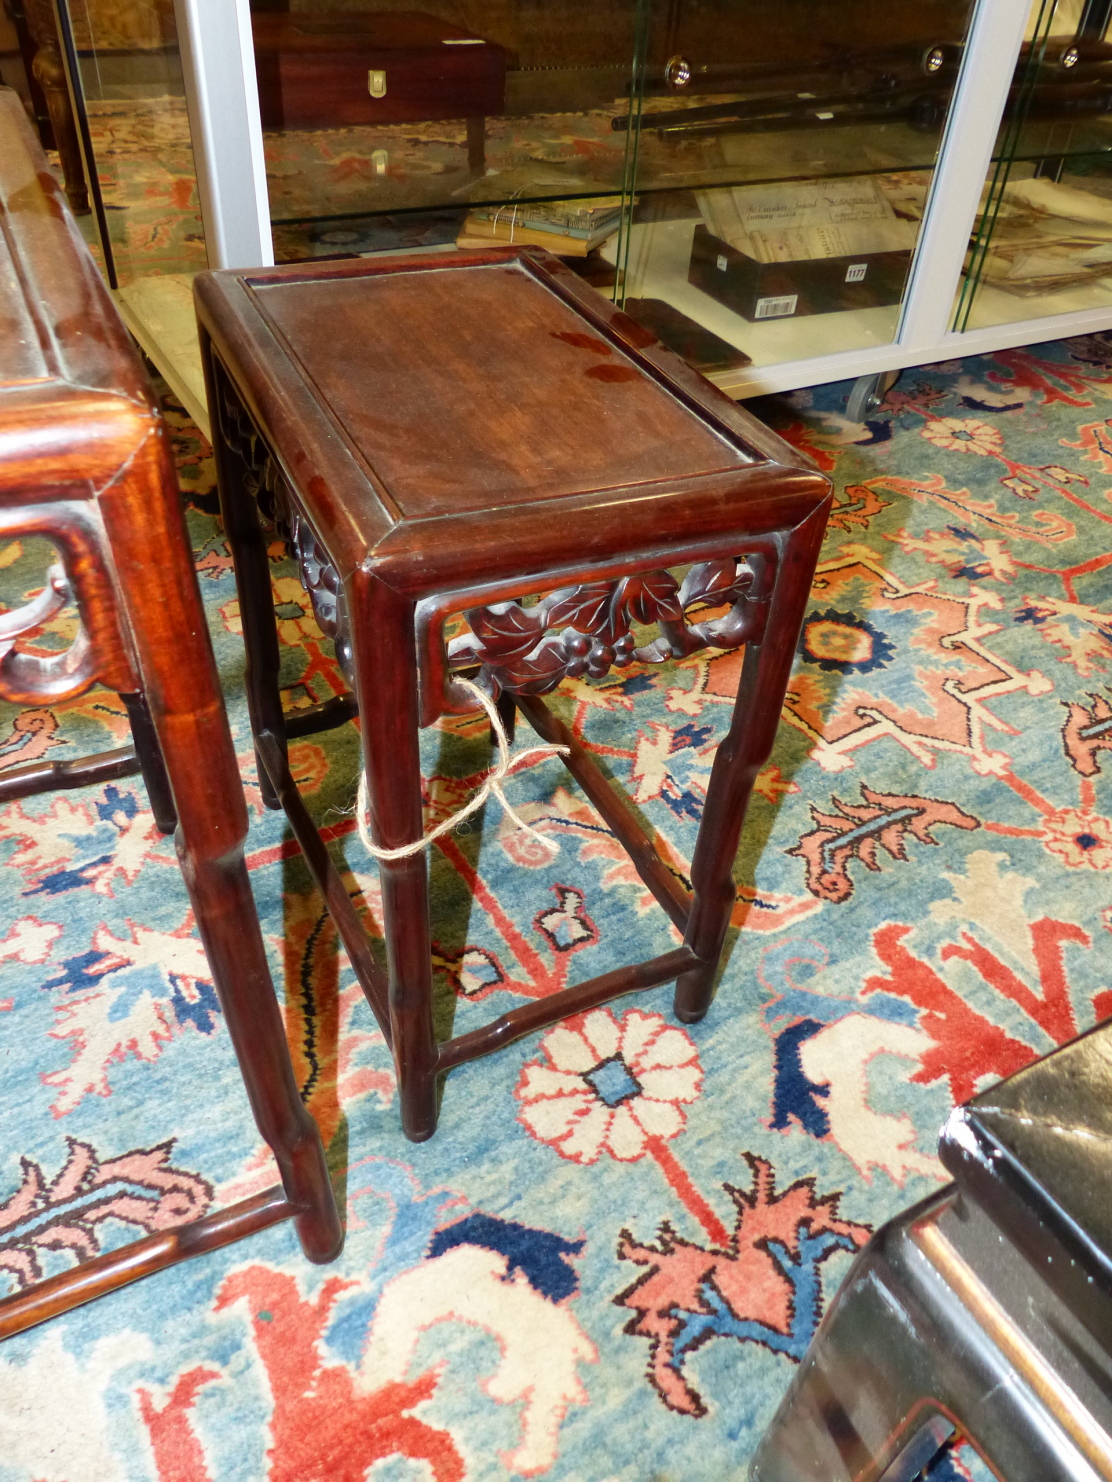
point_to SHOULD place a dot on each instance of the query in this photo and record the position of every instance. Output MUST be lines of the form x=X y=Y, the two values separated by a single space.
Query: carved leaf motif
x=505 y=630
x=464 y=650
x=536 y=674
x=585 y=629
x=708 y=579
x=739 y=626
x=652 y=596
x=585 y=608
x=654 y=653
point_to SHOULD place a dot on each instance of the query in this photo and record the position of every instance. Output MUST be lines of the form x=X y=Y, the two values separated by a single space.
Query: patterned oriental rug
x=608 y=1262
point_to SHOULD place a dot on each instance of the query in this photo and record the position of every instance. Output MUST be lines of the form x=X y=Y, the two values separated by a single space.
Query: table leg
x=256 y=597
x=148 y=541
x=151 y=765
x=756 y=717
x=386 y=685
x=507 y=714
x=50 y=74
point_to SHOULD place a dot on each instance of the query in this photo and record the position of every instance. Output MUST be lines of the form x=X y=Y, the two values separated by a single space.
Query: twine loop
x=492 y=787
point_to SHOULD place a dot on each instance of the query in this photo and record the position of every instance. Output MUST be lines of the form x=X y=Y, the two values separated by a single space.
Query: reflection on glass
x=131 y=79
x=784 y=157
x=129 y=82
x=389 y=128
x=748 y=178
x=1043 y=238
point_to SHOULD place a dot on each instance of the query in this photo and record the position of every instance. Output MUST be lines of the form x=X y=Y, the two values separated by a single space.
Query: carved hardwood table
x=85 y=462
x=446 y=435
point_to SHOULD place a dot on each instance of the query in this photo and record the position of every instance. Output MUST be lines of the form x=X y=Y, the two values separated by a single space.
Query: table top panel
x=470 y=390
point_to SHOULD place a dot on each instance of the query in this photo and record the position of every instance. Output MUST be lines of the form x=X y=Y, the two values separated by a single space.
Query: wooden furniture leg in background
x=148 y=759
x=50 y=74
x=252 y=569
x=476 y=147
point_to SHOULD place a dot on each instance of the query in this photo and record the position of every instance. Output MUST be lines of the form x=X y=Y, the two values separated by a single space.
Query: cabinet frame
x=222 y=97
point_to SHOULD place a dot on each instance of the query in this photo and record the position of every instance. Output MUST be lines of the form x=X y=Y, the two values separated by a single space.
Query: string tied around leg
x=492 y=787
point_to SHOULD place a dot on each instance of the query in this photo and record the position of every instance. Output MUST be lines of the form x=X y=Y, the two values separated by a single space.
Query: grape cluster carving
x=588 y=629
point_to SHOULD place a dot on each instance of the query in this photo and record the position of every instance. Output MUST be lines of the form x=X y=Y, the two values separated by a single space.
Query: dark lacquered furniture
x=446 y=435
x=986 y=1310
x=85 y=462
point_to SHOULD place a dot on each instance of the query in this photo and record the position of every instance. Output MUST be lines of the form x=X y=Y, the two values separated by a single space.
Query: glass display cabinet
x=388 y=128
x=1042 y=243
x=786 y=191
x=785 y=154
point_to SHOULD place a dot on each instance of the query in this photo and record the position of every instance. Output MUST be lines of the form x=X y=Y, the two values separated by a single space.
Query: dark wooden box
x=759 y=291
x=315 y=69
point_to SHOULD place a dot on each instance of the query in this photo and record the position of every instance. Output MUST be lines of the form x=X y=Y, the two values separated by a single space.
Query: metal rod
x=1096 y=17
x=84 y=137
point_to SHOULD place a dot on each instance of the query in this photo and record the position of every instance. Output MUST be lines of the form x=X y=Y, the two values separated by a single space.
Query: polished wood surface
x=450 y=435
x=85 y=461
x=352 y=511
x=526 y=404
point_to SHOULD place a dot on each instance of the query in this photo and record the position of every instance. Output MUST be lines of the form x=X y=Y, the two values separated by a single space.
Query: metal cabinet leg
x=868 y=393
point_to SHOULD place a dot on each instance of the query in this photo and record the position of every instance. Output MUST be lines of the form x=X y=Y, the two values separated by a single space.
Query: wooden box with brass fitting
x=327 y=69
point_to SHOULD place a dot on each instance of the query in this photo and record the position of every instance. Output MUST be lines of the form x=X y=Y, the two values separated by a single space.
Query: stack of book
x=568 y=228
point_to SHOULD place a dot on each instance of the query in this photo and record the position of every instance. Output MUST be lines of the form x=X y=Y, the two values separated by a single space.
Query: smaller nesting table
x=451 y=434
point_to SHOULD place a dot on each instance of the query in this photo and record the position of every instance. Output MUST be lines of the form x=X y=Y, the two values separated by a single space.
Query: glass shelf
x=657 y=266
x=784 y=159
x=1042 y=243
x=387 y=128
